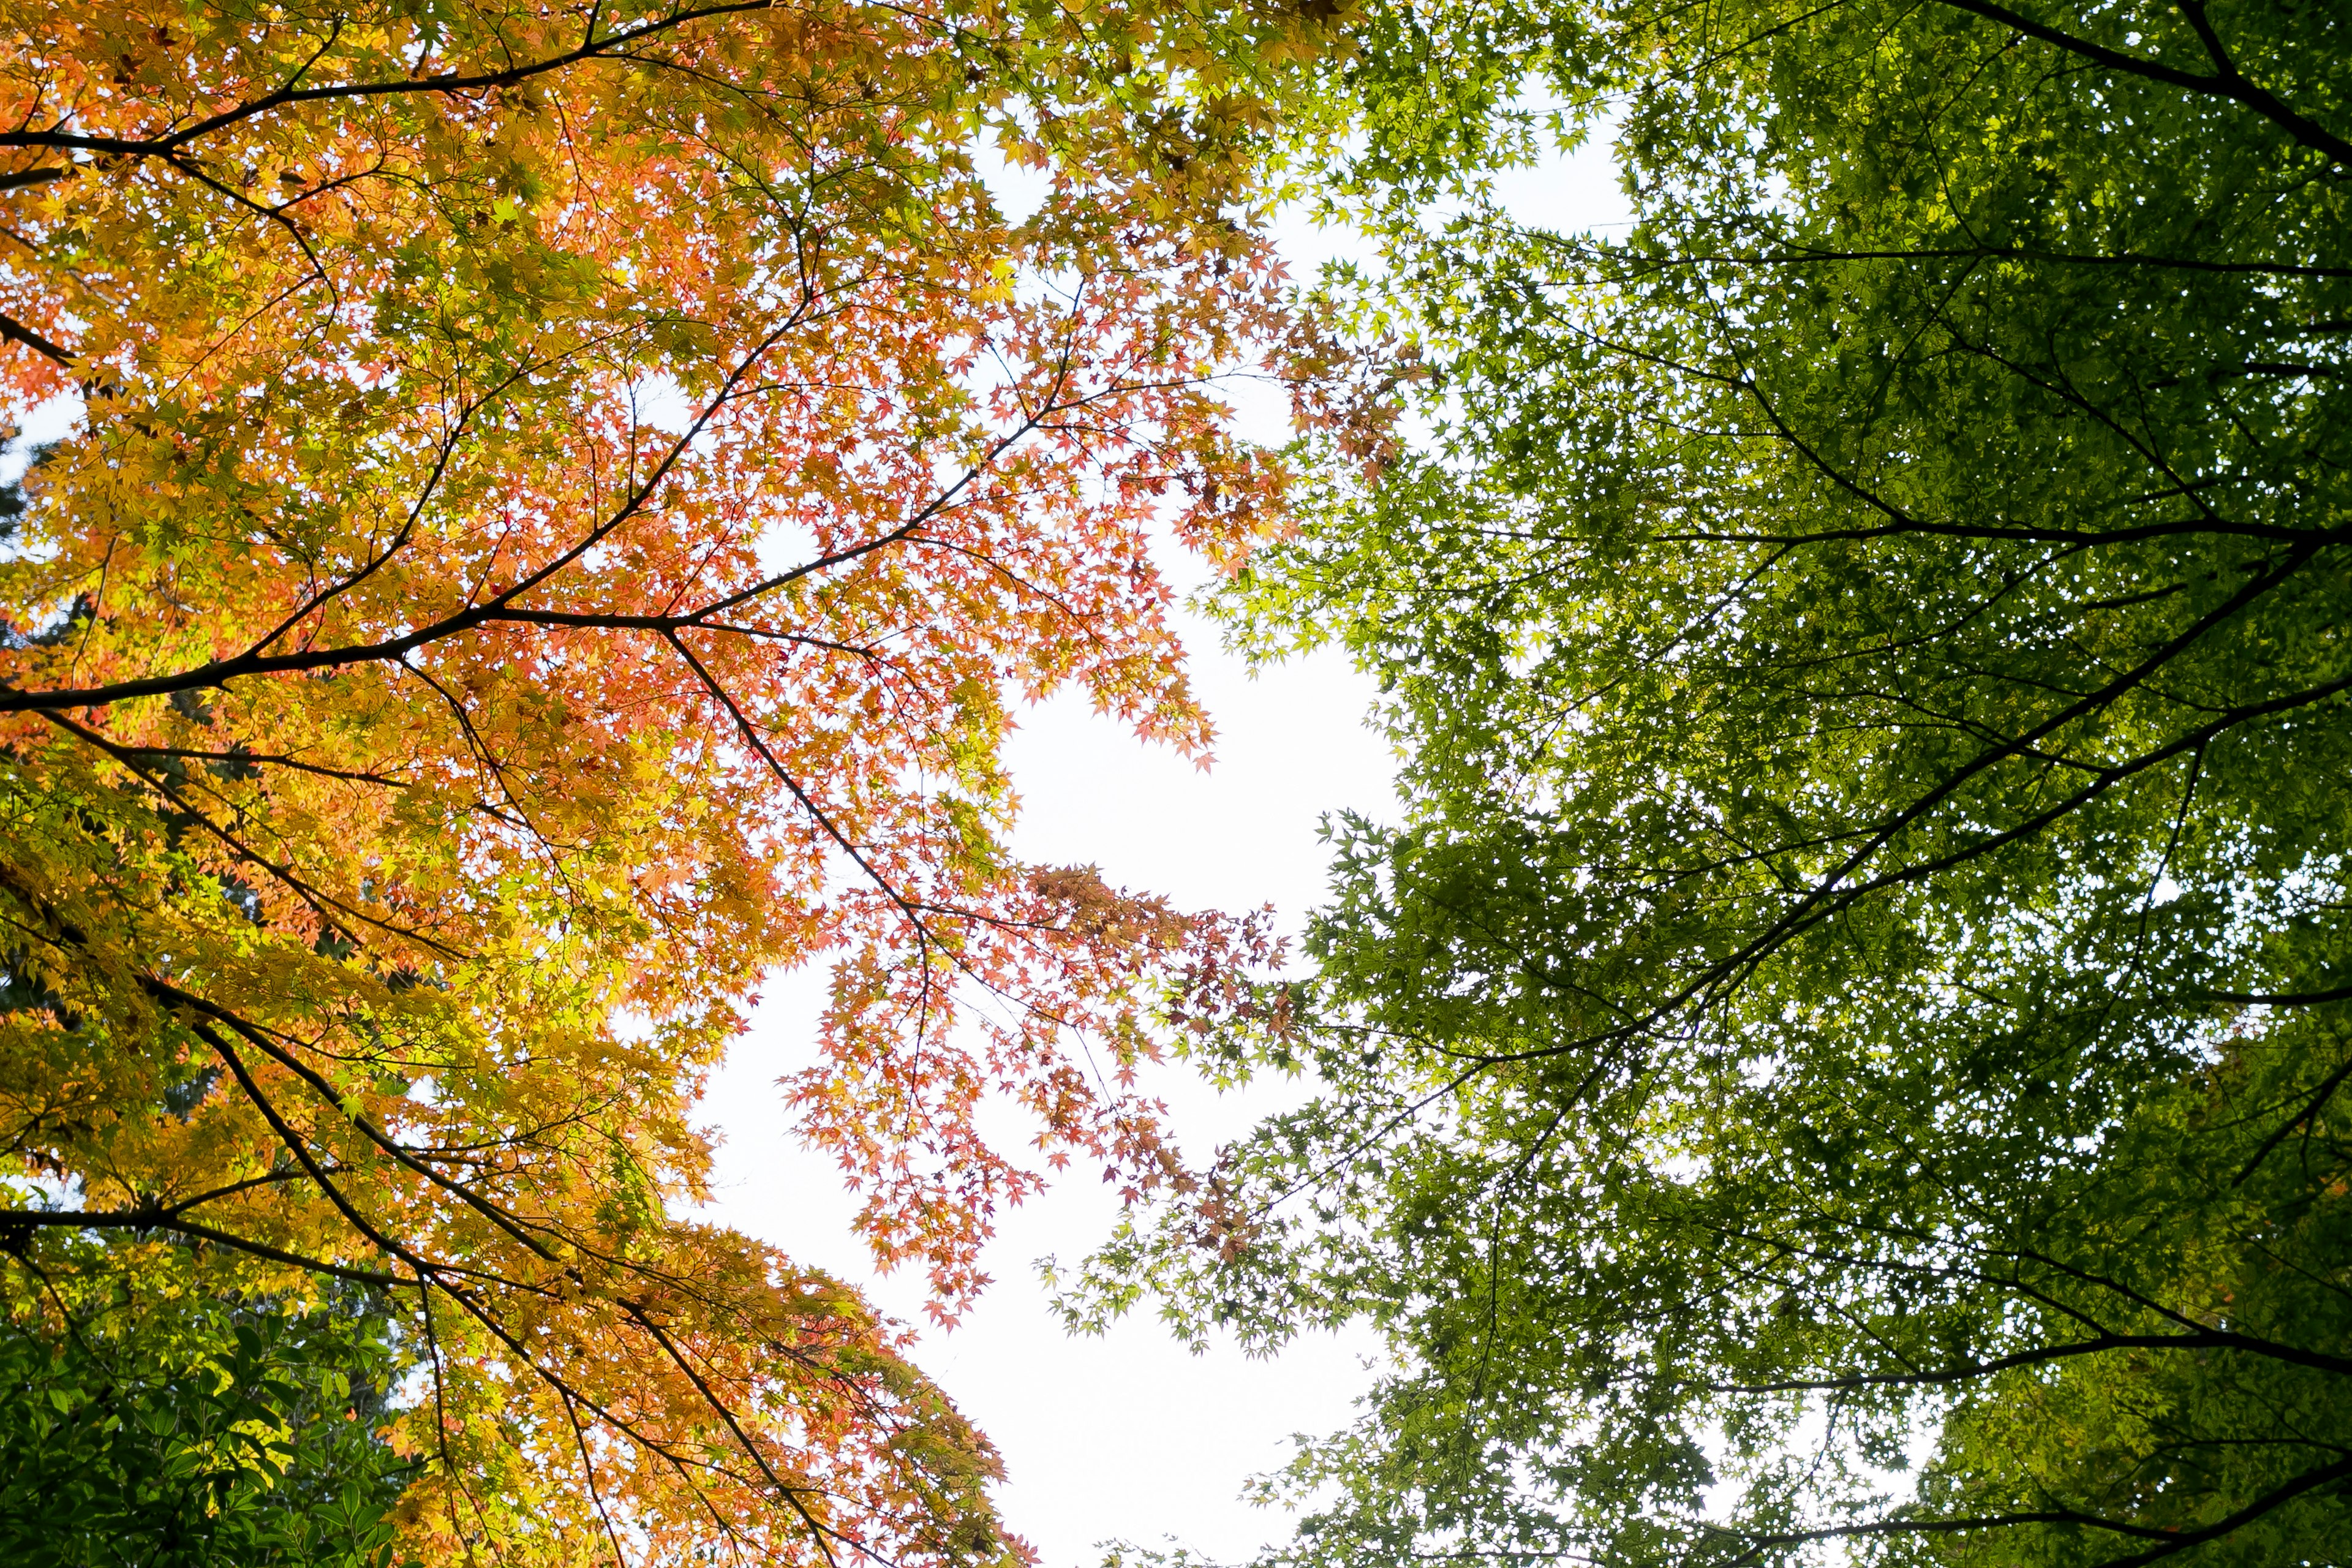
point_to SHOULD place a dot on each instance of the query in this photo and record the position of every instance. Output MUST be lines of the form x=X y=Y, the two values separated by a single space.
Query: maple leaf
x=561 y=508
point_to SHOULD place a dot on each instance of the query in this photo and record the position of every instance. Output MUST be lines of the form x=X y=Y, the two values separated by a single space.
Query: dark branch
x=16 y=331
x=2224 y=82
x=447 y=82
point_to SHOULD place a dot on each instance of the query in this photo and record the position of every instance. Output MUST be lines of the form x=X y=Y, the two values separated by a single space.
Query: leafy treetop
x=1863 y=974
x=561 y=505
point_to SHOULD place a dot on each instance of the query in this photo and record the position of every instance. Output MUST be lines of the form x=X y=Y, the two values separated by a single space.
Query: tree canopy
x=166 y=1426
x=560 y=503
x=1844 y=1054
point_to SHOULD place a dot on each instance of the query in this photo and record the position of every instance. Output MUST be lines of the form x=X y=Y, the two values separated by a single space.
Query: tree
x=1862 y=977
x=561 y=504
x=162 y=1427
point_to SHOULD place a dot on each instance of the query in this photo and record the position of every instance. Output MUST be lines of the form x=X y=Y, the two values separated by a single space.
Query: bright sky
x=1128 y=1436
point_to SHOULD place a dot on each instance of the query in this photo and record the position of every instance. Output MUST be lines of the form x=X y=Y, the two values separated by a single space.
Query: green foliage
x=1861 y=983
x=146 y=1422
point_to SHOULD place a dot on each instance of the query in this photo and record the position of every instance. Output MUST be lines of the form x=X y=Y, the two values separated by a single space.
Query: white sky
x=1128 y=1436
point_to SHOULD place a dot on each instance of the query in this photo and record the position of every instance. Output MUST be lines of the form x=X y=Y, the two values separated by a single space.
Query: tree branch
x=2225 y=82
x=447 y=82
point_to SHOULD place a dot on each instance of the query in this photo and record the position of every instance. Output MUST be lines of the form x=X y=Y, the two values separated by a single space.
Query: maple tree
x=562 y=503
x=1843 y=1056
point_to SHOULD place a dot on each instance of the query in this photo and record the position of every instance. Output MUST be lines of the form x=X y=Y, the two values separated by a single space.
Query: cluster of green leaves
x=146 y=1421
x=1860 y=985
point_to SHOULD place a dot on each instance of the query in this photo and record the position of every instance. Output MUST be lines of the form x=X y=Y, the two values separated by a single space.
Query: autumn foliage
x=562 y=503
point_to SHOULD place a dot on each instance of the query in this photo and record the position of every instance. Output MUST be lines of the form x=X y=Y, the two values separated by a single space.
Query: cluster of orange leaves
x=562 y=503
